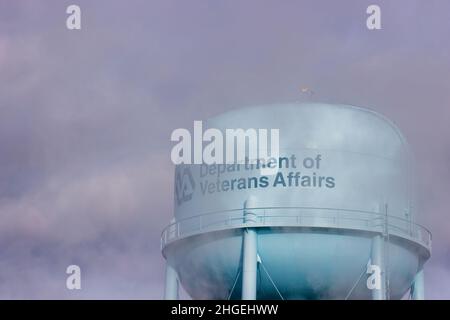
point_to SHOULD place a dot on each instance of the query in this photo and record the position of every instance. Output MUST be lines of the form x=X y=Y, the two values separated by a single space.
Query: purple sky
x=86 y=117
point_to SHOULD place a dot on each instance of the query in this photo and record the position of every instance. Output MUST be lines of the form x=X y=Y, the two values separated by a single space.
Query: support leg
x=378 y=263
x=171 y=289
x=418 y=287
x=250 y=253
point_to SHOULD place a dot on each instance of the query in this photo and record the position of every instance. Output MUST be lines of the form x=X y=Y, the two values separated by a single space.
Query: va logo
x=184 y=185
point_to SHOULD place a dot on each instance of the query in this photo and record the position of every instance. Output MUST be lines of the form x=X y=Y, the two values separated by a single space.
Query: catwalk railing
x=298 y=217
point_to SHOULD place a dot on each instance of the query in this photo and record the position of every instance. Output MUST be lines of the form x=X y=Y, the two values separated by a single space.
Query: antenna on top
x=306 y=92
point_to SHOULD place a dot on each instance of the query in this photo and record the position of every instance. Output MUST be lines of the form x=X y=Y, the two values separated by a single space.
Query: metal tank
x=301 y=240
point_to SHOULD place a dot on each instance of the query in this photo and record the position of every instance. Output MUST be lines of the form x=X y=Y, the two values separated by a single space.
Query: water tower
x=342 y=211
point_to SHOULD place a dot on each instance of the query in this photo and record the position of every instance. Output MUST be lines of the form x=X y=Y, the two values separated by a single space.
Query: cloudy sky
x=86 y=117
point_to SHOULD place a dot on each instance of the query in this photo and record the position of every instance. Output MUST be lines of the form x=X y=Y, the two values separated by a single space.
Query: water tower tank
x=342 y=212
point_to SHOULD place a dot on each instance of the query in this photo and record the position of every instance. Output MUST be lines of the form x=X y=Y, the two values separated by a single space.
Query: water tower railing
x=298 y=217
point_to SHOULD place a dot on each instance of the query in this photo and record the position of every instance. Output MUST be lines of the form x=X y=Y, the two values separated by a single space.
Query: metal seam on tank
x=343 y=106
x=342 y=151
x=378 y=115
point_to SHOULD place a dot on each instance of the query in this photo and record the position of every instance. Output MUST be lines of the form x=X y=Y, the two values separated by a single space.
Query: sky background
x=86 y=118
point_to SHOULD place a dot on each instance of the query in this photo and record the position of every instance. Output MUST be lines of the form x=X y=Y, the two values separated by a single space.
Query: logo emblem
x=184 y=185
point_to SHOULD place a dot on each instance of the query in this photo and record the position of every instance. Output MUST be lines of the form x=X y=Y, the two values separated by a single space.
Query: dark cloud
x=85 y=118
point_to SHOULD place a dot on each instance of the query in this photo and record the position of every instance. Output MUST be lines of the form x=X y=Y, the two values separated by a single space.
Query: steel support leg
x=250 y=253
x=418 y=286
x=377 y=261
x=171 y=288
